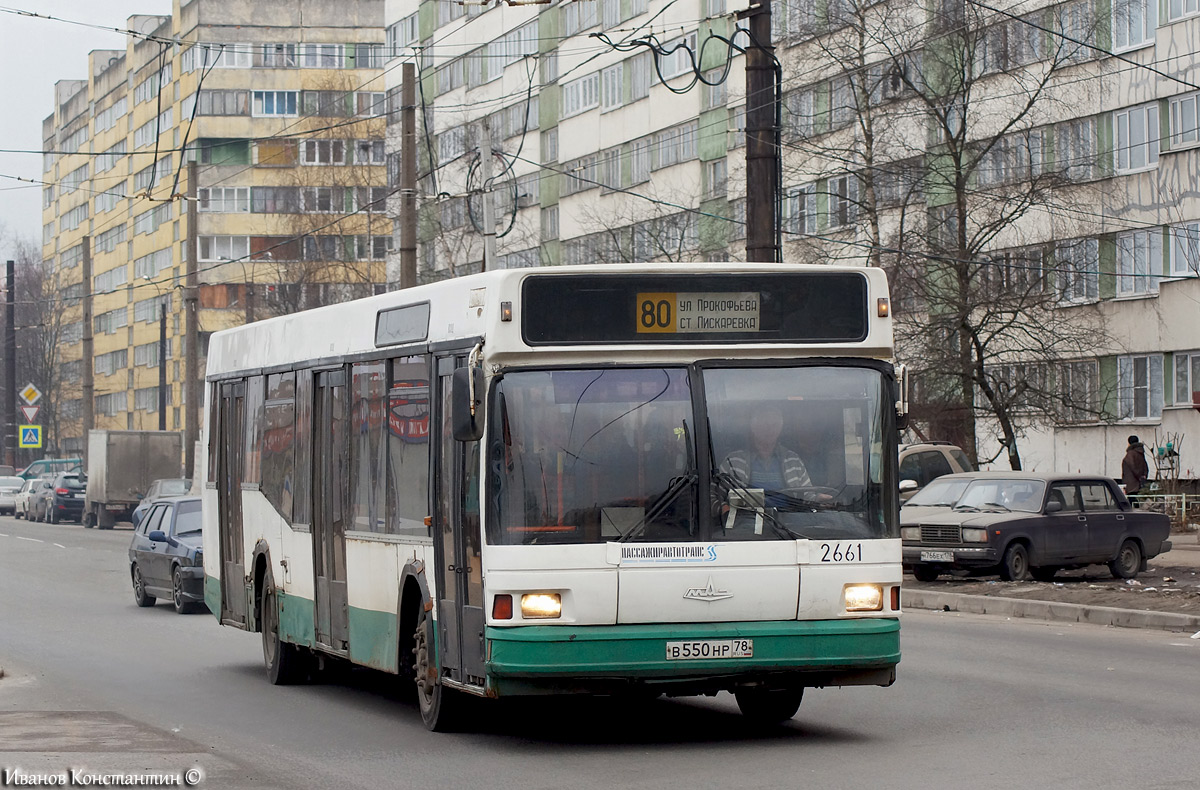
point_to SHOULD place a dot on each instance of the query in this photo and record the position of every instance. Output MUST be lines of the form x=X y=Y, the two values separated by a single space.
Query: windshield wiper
x=966 y=508
x=997 y=504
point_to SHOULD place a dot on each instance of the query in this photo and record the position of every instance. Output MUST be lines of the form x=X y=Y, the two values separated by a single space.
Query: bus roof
x=466 y=308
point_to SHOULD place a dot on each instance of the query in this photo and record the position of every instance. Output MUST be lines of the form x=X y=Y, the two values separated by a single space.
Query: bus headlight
x=974 y=535
x=541 y=606
x=863 y=597
x=910 y=533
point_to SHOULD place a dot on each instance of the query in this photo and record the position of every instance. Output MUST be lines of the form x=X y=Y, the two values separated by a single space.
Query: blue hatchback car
x=165 y=556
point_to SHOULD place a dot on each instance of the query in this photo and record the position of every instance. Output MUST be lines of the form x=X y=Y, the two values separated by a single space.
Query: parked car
x=922 y=463
x=165 y=556
x=21 y=498
x=50 y=466
x=160 y=489
x=9 y=486
x=937 y=497
x=1029 y=524
x=6 y=470
x=64 y=501
x=43 y=489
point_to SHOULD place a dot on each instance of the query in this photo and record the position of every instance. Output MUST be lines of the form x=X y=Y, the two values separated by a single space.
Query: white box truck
x=121 y=465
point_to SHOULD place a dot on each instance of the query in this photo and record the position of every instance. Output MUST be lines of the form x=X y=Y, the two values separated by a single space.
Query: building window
x=274 y=103
x=321 y=56
x=1187 y=379
x=224 y=200
x=640 y=160
x=1078 y=385
x=226 y=102
x=550 y=223
x=1078 y=269
x=1075 y=149
x=71 y=219
x=580 y=95
x=221 y=248
x=1183 y=120
x=843 y=201
x=1182 y=8
x=802 y=210
x=323 y=152
x=1137 y=138
x=640 y=69
x=612 y=83
x=1134 y=22
x=1140 y=387
x=1185 y=249
x=276 y=56
x=681 y=58
x=1139 y=262
x=715 y=178
x=112 y=404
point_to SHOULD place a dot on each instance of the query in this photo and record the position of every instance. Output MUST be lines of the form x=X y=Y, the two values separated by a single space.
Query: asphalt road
x=92 y=681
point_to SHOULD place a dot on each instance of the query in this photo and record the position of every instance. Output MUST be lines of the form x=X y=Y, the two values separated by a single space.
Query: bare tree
x=958 y=112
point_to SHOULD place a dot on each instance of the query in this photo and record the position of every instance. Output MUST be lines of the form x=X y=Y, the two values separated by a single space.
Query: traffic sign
x=30 y=435
x=30 y=412
x=30 y=394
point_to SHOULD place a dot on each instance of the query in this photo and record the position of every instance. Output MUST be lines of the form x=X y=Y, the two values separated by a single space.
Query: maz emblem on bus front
x=708 y=593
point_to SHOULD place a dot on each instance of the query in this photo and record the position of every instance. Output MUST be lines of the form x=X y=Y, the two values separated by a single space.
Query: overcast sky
x=34 y=54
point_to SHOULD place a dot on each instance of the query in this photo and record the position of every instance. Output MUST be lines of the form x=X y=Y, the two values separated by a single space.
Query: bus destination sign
x=699 y=307
x=678 y=313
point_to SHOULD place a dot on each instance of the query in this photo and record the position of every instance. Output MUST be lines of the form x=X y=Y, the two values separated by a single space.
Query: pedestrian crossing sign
x=30 y=435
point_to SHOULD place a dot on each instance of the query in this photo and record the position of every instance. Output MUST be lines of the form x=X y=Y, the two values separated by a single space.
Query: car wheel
x=140 y=596
x=88 y=520
x=441 y=707
x=16 y=514
x=925 y=573
x=1128 y=563
x=284 y=661
x=1044 y=573
x=768 y=706
x=182 y=605
x=1015 y=565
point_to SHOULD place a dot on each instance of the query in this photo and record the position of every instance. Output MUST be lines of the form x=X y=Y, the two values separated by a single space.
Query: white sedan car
x=21 y=498
x=9 y=486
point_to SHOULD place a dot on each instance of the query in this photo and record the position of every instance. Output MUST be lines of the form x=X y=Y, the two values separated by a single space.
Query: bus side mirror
x=466 y=404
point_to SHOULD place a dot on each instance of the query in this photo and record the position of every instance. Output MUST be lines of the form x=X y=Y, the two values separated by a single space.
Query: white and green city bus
x=558 y=480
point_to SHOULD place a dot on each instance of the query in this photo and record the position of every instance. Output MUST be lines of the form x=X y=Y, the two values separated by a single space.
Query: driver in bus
x=766 y=464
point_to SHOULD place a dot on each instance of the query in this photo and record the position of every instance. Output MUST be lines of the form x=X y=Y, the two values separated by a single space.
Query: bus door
x=231 y=421
x=330 y=508
x=457 y=543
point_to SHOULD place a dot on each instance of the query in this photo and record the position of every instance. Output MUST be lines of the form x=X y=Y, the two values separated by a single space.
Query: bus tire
x=283 y=660
x=439 y=705
x=768 y=706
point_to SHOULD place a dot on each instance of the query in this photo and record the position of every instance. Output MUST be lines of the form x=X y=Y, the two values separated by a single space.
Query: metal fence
x=1183 y=509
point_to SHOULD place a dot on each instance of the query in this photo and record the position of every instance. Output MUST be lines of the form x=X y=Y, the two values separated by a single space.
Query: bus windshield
x=612 y=454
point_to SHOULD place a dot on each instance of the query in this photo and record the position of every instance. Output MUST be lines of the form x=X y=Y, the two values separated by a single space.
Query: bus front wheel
x=439 y=705
x=768 y=706
x=284 y=662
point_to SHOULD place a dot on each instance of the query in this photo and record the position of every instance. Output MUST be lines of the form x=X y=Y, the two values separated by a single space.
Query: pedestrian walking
x=1134 y=469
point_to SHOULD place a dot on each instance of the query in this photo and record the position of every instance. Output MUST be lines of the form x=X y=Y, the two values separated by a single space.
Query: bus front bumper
x=616 y=658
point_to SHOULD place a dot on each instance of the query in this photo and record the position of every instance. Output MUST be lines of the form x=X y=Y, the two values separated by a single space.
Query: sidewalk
x=1184 y=553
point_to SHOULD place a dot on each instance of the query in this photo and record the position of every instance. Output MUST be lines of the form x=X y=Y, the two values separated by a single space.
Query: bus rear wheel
x=768 y=706
x=439 y=705
x=284 y=661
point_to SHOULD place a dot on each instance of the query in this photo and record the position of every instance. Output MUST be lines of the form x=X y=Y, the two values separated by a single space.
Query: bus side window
x=407 y=434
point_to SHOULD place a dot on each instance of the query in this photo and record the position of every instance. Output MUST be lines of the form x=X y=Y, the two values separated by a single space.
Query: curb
x=1049 y=610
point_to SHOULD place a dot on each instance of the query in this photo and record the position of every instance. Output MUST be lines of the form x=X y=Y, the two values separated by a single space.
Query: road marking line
x=2 y=535
x=35 y=540
x=61 y=546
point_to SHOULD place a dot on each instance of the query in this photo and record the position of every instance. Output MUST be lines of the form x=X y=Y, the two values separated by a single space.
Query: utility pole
x=489 y=216
x=408 y=176
x=762 y=149
x=10 y=365
x=191 y=383
x=162 y=364
x=89 y=381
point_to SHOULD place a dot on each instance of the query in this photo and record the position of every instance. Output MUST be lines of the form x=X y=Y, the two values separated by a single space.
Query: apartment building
x=281 y=105
x=1041 y=156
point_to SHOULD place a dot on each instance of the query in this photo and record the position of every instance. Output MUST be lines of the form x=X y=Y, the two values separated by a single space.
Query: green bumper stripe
x=374 y=640
x=296 y=620
x=634 y=651
x=212 y=595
